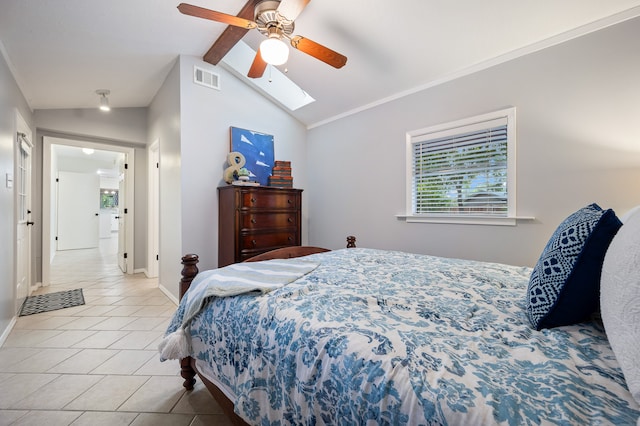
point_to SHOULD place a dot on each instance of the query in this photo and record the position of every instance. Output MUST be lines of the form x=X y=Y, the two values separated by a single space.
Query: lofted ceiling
x=62 y=51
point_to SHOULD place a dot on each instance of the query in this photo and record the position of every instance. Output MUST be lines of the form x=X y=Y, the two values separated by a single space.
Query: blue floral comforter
x=380 y=337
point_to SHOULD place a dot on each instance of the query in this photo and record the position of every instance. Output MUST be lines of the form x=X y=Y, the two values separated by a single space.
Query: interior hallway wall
x=11 y=101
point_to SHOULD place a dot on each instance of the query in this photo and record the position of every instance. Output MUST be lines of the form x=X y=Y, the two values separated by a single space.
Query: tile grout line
x=110 y=296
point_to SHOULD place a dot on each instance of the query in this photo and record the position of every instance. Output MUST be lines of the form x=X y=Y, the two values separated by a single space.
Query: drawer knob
x=290 y=238
x=290 y=219
x=289 y=201
x=253 y=200
x=254 y=242
x=253 y=220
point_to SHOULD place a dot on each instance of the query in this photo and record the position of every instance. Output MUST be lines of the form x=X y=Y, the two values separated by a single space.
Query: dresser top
x=257 y=188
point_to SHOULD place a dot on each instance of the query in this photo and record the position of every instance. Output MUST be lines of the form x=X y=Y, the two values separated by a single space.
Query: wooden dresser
x=256 y=219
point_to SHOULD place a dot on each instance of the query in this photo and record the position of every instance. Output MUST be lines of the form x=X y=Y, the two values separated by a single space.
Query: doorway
x=97 y=192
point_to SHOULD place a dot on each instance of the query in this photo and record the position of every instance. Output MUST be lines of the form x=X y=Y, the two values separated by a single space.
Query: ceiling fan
x=273 y=18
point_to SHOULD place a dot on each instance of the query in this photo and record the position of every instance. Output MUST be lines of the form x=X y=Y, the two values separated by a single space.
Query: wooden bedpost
x=189 y=272
x=351 y=241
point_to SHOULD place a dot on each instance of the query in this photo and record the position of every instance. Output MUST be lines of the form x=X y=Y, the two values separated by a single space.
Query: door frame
x=123 y=260
x=153 y=209
x=47 y=228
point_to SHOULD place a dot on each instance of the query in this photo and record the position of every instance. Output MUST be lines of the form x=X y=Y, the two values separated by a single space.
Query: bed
x=367 y=336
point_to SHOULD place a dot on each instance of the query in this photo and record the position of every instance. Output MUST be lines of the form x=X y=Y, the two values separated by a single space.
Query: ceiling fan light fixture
x=104 y=101
x=274 y=51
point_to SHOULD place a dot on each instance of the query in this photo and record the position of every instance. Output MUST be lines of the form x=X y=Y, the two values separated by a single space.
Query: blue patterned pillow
x=564 y=287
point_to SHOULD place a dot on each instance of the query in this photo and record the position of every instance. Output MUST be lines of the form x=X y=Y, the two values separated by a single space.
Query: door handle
x=30 y=223
x=97 y=214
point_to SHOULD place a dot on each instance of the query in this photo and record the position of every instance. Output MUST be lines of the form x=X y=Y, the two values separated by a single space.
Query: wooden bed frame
x=188 y=369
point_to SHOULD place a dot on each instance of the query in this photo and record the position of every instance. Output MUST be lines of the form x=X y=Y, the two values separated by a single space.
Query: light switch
x=9 y=180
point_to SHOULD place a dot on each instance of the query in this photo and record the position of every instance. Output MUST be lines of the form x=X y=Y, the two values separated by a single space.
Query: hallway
x=97 y=364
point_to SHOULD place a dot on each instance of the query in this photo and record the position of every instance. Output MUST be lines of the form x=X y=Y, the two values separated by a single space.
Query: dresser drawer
x=260 y=200
x=249 y=221
x=268 y=241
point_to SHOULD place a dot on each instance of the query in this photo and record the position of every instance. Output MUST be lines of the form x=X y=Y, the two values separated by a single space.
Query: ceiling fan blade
x=257 y=67
x=230 y=36
x=318 y=51
x=290 y=9
x=200 y=12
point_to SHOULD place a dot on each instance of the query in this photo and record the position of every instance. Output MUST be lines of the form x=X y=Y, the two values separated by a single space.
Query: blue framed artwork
x=257 y=149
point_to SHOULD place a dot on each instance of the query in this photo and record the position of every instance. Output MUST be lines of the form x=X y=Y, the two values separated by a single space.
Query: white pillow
x=620 y=300
x=625 y=217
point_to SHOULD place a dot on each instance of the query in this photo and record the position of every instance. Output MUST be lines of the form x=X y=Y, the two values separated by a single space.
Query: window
x=108 y=198
x=463 y=171
x=22 y=183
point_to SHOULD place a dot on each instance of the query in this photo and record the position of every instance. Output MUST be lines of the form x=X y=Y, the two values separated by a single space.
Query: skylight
x=273 y=83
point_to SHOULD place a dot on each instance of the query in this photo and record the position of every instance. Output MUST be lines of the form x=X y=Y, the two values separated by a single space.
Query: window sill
x=468 y=220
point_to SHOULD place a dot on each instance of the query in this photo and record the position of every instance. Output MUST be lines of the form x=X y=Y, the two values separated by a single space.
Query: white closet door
x=78 y=210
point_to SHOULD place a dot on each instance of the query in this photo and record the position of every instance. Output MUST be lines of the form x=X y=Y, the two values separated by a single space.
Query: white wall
x=578 y=135
x=11 y=100
x=199 y=155
x=206 y=117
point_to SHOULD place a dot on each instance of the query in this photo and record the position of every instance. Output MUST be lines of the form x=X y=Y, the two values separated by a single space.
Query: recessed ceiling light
x=104 y=101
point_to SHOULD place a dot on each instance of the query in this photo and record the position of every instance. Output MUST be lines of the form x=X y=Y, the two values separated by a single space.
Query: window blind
x=461 y=171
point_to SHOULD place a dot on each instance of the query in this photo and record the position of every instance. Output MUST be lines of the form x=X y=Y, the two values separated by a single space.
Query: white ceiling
x=74 y=159
x=62 y=51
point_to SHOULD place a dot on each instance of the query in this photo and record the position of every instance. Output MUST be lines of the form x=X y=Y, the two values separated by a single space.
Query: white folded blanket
x=238 y=278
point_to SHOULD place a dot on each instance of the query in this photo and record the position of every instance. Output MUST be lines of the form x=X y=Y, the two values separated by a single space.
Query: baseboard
x=168 y=294
x=148 y=275
x=137 y=271
x=6 y=332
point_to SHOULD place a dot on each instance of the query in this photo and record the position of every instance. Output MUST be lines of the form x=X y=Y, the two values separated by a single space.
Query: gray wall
x=206 y=116
x=11 y=100
x=192 y=162
x=578 y=136
x=164 y=126
x=123 y=127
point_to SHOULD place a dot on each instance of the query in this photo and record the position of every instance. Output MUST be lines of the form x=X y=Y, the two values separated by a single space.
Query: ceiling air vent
x=206 y=78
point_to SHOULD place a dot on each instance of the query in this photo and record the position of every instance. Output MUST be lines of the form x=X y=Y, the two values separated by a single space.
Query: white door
x=23 y=241
x=78 y=210
x=122 y=219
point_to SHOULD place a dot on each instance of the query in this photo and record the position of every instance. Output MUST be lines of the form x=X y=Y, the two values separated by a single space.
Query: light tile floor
x=97 y=364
